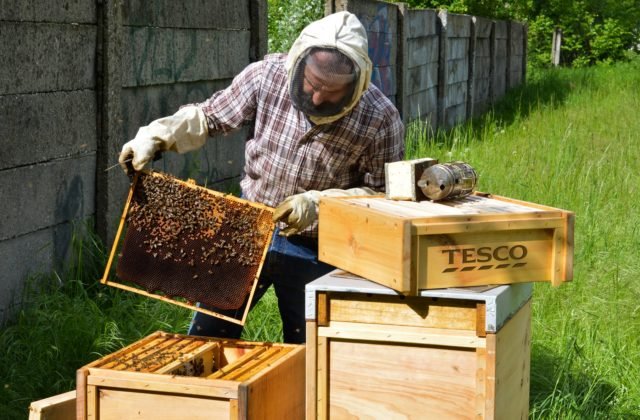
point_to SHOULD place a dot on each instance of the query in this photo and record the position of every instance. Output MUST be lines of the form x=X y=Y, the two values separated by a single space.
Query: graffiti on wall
x=379 y=32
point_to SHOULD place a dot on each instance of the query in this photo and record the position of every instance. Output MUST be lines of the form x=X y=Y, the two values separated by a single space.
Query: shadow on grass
x=561 y=387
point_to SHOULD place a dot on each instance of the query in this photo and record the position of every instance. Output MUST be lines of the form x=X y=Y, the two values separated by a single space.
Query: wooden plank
x=311 y=388
x=276 y=392
x=322 y=309
x=402 y=334
x=406 y=311
x=322 y=375
x=259 y=364
x=487 y=224
x=481 y=384
x=383 y=242
x=162 y=383
x=452 y=260
x=92 y=407
x=120 y=404
x=481 y=319
x=208 y=353
x=233 y=410
x=57 y=407
x=512 y=347
x=384 y=381
x=81 y=393
x=246 y=358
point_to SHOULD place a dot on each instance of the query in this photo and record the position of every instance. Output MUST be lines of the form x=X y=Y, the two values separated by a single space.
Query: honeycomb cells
x=190 y=242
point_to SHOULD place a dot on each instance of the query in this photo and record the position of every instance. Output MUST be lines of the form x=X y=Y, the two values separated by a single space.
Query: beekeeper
x=321 y=129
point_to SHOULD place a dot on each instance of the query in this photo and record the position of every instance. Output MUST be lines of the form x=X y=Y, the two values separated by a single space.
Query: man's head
x=323 y=82
x=328 y=67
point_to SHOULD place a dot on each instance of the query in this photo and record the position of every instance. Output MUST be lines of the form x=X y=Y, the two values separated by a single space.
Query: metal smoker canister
x=448 y=180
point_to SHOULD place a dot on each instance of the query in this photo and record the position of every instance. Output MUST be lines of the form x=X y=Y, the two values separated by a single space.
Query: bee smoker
x=448 y=180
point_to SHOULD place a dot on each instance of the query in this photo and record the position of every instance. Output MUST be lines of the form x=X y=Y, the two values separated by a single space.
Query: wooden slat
x=408 y=311
x=388 y=381
x=311 y=388
x=485 y=224
x=124 y=403
x=322 y=375
x=512 y=366
x=205 y=351
x=402 y=334
x=322 y=309
x=162 y=383
x=246 y=358
x=481 y=319
x=382 y=241
x=57 y=407
x=278 y=392
x=251 y=368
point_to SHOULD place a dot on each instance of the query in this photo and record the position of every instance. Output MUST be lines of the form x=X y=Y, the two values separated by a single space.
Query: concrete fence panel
x=77 y=80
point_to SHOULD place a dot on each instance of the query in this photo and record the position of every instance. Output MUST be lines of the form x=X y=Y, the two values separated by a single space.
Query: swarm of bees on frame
x=173 y=216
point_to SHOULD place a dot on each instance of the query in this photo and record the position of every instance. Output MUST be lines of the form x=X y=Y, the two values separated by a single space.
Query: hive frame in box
x=168 y=375
x=246 y=306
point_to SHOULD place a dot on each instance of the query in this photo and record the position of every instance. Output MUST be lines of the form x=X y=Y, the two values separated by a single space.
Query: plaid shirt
x=288 y=154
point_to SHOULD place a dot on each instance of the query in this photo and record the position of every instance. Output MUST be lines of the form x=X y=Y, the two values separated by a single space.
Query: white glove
x=301 y=210
x=181 y=132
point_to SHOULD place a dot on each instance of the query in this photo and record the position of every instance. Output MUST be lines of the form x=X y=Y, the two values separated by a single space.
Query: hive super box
x=448 y=353
x=178 y=376
x=475 y=240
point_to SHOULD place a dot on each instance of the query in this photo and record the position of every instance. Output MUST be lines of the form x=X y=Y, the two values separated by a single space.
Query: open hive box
x=179 y=376
x=183 y=243
x=475 y=240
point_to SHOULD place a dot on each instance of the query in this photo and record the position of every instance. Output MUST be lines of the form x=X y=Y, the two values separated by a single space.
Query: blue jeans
x=290 y=264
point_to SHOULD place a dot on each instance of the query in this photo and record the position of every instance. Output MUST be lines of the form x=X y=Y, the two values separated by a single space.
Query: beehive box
x=183 y=244
x=448 y=353
x=475 y=240
x=176 y=376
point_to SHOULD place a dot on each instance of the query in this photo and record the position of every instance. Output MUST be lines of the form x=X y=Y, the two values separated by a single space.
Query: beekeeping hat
x=328 y=67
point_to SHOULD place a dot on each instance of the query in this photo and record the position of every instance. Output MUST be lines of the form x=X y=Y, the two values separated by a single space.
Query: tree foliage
x=287 y=18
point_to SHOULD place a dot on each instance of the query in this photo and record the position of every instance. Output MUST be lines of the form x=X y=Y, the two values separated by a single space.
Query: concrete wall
x=440 y=67
x=77 y=79
x=47 y=133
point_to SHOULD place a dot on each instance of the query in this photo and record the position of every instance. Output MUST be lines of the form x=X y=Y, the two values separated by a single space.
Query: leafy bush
x=287 y=18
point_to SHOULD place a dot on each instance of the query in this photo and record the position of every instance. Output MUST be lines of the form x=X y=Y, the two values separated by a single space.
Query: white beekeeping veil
x=328 y=67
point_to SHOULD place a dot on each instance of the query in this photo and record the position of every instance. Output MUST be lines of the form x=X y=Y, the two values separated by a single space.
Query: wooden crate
x=449 y=353
x=475 y=240
x=57 y=407
x=178 y=376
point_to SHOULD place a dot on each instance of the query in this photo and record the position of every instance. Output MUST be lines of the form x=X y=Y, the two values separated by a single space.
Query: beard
x=303 y=101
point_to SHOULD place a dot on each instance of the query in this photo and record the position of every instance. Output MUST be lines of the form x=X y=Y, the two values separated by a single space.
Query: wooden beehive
x=183 y=244
x=475 y=240
x=449 y=353
x=177 y=376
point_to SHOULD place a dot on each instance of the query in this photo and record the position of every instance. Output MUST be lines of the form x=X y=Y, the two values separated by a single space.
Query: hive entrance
x=185 y=241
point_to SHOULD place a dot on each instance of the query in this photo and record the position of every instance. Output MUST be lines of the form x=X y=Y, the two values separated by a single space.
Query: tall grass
x=570 y=139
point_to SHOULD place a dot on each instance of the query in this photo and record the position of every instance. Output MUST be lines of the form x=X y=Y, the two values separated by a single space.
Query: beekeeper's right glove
x=184 y=131
x=299 y=211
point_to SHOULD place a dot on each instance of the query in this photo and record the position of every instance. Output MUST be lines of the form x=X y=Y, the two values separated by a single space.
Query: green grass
x=568 y=139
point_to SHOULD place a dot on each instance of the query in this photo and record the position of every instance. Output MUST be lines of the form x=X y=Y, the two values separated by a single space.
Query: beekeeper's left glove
x=182 y=132
x=301 y=210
